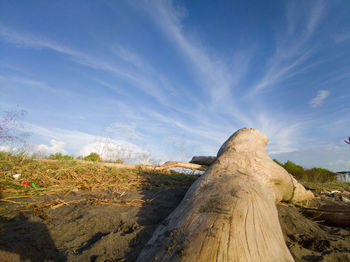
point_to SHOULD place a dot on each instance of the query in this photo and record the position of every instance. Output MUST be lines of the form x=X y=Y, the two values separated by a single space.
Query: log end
x=203 y=160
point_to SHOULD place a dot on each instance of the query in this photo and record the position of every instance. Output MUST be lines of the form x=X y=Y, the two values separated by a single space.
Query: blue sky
x=171 y=79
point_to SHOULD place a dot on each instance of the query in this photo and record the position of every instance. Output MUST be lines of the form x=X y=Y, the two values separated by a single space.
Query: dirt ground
x=114 y=226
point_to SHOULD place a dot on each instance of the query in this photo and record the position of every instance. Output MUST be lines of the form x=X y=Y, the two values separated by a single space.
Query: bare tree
x=9 y=126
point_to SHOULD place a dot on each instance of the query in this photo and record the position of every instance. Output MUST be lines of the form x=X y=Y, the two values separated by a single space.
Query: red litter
x=26 y=183
x=31 y=184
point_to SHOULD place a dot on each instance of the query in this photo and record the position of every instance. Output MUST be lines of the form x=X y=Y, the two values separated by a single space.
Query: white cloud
x=55 y=147
x=13 y=149
x=319 y=98
x=5 y=149
x=81 y=143
x=112 y=150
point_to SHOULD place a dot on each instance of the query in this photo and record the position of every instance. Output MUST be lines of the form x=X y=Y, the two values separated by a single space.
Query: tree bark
x=229 y=213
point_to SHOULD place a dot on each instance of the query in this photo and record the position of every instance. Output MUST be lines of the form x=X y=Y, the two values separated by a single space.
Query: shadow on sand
x=110 y=225
x=24 y=239
x=163 y=202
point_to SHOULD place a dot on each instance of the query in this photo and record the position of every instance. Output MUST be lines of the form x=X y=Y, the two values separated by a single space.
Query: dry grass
x=60 y=176
x=327 y=186
x=37 y=207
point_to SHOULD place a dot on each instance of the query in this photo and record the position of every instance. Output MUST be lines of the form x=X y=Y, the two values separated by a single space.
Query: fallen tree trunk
x=171 y=164
x=167 y=165
x=229 y=213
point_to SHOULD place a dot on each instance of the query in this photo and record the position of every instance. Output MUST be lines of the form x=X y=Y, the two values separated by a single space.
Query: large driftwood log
x=229 y=213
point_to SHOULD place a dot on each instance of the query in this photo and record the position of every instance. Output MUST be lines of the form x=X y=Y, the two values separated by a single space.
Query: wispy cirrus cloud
x=26 y=40
x=283 y=134
x=123 y=130
x=294 y=53
x=342 y=37
x=141 y=81
x=128 y=65
x=212 y=74
x=319 y=98
x=222 y=83
x=280 y=68
x=28 y=82
x=112 y=87
x=316 y=15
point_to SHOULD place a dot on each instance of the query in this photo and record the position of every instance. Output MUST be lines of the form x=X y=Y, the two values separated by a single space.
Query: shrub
x=315 y=174
x=321 y=175
x=93 y=157
x=278 y=162
x=59 y=156
x=294 y=169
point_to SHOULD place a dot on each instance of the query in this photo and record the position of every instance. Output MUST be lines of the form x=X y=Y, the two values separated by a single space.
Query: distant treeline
x=315 y=174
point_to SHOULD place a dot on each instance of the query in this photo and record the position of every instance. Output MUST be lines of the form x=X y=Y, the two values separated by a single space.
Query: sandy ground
x=116 y=228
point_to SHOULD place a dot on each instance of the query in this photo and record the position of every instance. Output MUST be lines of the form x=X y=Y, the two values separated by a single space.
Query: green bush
x=315 y=174
x=59 y=156
x=278 y=162
x=321 y=175
x=294 y=169
x=93 y=157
